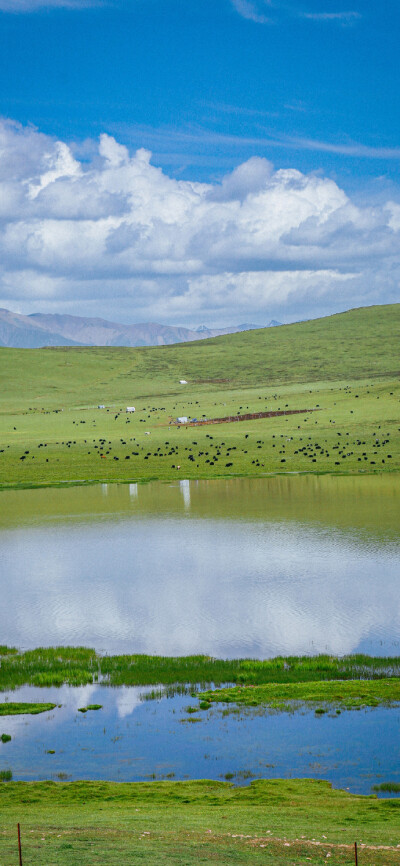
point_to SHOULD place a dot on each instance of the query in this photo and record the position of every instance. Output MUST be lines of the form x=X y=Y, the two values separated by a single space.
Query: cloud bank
x=118 y=237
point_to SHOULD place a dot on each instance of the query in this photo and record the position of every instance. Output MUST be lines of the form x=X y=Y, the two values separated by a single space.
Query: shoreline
x=90 y=482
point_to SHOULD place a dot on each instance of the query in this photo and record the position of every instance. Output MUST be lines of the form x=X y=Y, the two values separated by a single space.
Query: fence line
x=250 y=416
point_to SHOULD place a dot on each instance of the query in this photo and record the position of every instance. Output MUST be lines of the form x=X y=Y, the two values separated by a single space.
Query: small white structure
x=182 y=382
x=183 y=419
x=130 y=409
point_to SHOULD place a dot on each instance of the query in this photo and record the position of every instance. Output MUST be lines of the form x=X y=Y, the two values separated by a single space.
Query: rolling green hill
x=345 y=366
x=359 y=344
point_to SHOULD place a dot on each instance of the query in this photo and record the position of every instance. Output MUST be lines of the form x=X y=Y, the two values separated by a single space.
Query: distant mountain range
x=38 y=330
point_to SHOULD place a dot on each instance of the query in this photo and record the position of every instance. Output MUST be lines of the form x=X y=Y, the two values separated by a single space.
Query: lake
x=131 y=739
x=238 y=567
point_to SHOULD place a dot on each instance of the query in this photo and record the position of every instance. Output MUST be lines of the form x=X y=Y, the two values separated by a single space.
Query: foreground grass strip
x=271 y=822
x=76 y=666
x=284 y=696
x=18 y=709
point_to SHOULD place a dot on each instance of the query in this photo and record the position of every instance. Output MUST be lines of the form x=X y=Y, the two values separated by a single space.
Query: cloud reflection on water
x=178 y=586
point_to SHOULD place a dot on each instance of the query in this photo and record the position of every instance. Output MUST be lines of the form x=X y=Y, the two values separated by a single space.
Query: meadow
x=271 y=822
x=344 y=368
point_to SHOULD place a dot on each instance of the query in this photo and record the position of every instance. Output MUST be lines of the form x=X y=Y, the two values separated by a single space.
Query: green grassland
x=344 y=367
x=271 y=822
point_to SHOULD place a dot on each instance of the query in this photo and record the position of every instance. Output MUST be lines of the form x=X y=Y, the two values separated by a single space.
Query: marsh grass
x=48 y=666
x=350 y=694
x=387 y=787
x=171 y=675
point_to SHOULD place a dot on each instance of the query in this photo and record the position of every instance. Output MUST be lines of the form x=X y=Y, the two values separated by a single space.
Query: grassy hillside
x=360 y=344
x=345 y=366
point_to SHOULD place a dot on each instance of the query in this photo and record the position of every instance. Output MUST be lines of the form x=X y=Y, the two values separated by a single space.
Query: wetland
x=281 y=569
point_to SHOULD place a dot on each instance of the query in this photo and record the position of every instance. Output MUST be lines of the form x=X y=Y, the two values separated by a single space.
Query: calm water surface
x=241 y=567
x=134 y=740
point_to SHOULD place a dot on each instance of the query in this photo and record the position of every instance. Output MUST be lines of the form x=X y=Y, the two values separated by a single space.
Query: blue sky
x=257 y=114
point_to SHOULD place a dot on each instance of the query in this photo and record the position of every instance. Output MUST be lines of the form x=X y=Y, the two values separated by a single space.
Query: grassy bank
x=279 y=822
x=51 y=430
x=48 y=666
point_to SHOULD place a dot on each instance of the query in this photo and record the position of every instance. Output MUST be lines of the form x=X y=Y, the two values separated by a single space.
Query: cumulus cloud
x=80 y=233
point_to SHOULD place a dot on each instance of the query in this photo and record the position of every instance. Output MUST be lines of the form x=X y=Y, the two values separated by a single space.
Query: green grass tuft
x=18 y=709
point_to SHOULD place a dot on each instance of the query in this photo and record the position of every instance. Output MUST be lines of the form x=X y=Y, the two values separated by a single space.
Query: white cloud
x=351 y=148
x=76 y=235
x=336 y=17
x=62 y=164
x=17 y=6
x=253 y=10
x=167 y=139
x=249 y=10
